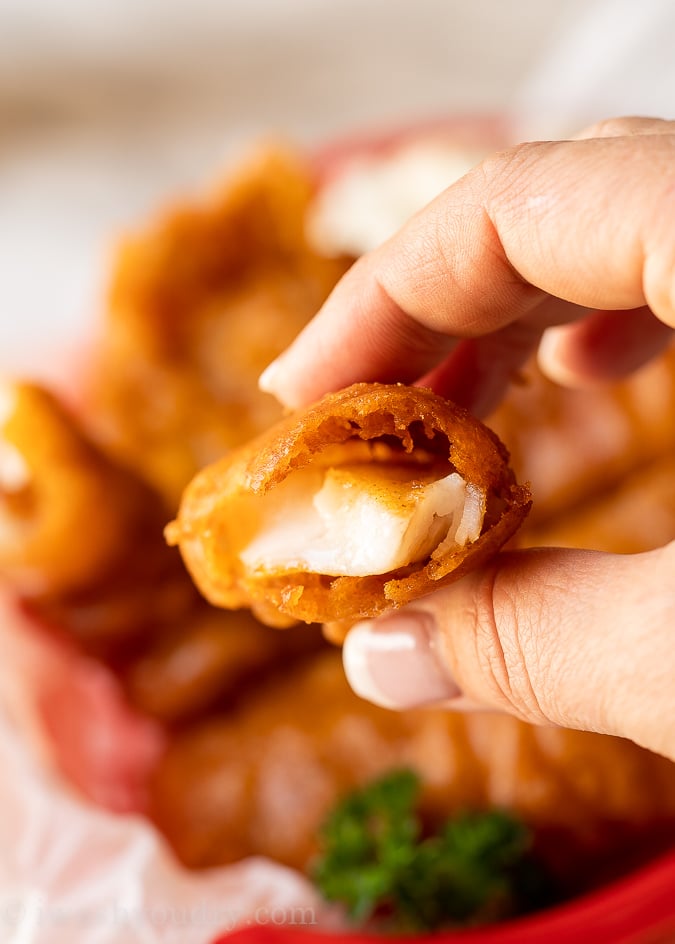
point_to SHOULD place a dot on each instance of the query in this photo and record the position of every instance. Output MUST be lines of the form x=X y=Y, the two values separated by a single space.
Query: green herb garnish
x=377 y=862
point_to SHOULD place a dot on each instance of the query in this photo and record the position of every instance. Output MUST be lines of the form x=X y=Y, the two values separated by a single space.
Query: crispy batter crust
x=413 y=417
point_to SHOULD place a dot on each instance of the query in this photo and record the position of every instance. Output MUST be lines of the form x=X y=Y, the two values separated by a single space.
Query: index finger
x=586 y=221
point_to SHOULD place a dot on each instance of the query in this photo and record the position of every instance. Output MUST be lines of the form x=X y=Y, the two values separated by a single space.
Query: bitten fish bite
x=364 y=501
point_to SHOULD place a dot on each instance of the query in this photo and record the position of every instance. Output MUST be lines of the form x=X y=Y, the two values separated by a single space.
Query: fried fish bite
x=66 y=511
x=636 y=515
x=574 y=445
x=80 y=535
x=199 y=304
x=260 y=780
x=366 y=500
x=210 y=659
x=81 y=544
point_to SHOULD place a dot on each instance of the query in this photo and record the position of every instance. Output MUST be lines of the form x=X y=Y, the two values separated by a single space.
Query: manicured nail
x=395 y=662
x=270 y=377
x=548 y=357
x=274 y=380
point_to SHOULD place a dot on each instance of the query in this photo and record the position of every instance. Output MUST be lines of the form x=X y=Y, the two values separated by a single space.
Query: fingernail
x=274 y=380
x=395 y=662
x=269 y=380
x=549 y=360
x=266 y=379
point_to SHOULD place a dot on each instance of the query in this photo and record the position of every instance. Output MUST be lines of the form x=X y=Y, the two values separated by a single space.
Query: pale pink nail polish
x=395 y=662
x=266 y=381
x=274 y=380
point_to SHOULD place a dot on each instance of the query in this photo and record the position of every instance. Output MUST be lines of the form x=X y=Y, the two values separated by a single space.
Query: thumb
x=574 y=638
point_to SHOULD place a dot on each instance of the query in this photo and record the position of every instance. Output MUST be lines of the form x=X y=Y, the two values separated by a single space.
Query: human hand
x=573 y=241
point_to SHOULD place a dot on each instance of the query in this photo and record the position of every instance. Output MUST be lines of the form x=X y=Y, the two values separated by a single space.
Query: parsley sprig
x=377 y=862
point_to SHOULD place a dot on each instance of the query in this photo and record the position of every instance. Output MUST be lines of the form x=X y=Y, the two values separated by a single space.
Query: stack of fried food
x=263 y=733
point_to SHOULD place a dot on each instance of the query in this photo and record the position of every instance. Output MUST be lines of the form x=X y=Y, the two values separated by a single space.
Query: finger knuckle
x=627 y=125
x=610 y=128
x=506 y=655
x=506 y=171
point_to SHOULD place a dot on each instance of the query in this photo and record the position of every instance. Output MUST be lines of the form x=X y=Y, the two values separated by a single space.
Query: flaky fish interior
x=356 y=512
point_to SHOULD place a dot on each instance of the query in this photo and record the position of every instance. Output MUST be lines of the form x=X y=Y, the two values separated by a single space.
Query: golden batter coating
x=403 y=426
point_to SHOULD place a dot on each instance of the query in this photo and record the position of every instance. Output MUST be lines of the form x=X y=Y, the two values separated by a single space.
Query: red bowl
x=638 y=909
